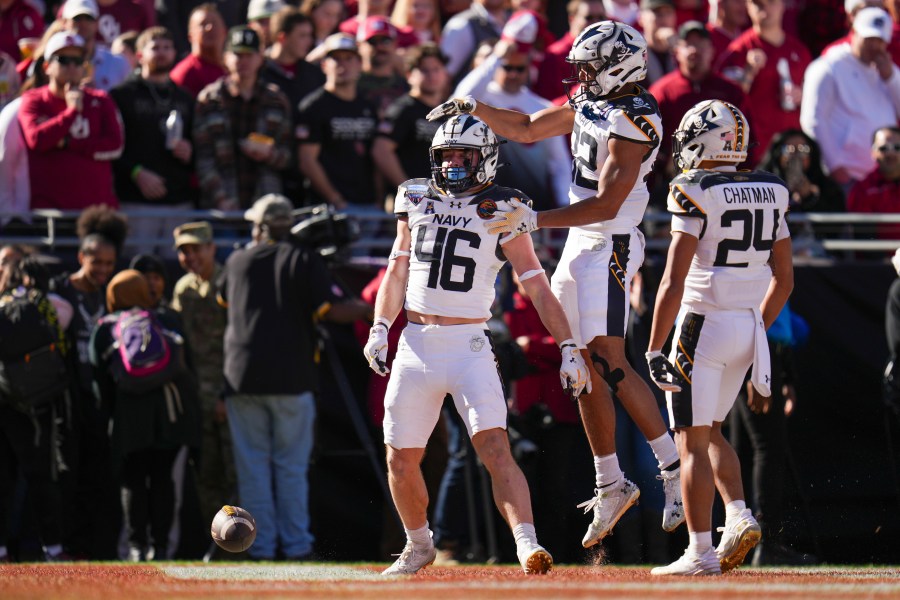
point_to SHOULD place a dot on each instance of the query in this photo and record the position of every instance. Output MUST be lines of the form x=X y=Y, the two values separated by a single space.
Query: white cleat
x=534 y=560
x=673 y=511
x=738 y=538
x=692 y=564
x=411 y=560
x=609 y=504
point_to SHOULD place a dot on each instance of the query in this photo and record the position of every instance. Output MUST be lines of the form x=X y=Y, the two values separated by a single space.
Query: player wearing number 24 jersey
x=442 y=269
x=615 y=131
x=728 y=275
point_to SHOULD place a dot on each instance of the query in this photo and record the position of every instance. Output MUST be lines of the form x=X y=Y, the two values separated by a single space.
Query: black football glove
x=664 y=375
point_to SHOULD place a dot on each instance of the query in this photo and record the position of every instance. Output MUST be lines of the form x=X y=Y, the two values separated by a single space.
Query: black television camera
x=327 y=232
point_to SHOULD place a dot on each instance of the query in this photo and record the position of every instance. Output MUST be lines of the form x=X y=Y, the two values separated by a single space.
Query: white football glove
x=453 y=106
x=664 y=375
x=521 y=219
x=573 y=373
x=376 y=348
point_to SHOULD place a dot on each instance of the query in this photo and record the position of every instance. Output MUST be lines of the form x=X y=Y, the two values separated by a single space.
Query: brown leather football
x=233 y=529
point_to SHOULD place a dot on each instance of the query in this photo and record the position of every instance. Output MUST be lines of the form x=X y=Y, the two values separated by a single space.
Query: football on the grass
x=233 y=529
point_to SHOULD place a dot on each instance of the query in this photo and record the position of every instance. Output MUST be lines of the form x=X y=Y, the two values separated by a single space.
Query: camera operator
x=275 y=290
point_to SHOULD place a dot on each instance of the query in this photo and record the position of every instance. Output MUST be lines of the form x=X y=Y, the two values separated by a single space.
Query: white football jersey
x=634 y=118
x=736 y=216
x=453 y=260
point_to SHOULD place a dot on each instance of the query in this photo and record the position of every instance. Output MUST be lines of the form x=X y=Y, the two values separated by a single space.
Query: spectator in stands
x=15 y=193
x=768 y=64
x=465 y=31
x=205 y=64
x=274 y=290
x=154 y=271
x=29 y=435
x=116 y=17
x=657 y=20
x=154 y=170
x=286 y=67
x=18 y=20
x=879 y=191
x=87 y=486
x=240 y=159
x=380 y=83
x=365 y=9
x=554 y=68
x=105 y=70
x=542 y=169
x=626 y=11
x=335 y=131
x=849 y=100
x=727 y=20
x=194 y=298
x=851 y=7
x=125 y=46
x=690 y=83
x=325 y=15
x=797 y=159
x=403 y=140
x=176 y=16
x=419 y=20
x=259 y=13
x=147 y=428
x=72 y=133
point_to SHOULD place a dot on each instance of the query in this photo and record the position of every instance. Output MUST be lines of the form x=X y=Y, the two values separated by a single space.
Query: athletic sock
x=53 y=550
x=419 y=537
x=665 y=452
x=3 y=552
x=733 y=510
x=700 y=542
x=524 y=533
x=607 y=470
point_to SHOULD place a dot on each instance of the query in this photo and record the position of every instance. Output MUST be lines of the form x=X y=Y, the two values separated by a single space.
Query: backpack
x=33 y=371
x=143 y=356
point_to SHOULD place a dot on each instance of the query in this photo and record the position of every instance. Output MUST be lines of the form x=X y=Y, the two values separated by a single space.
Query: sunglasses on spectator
x=595 y=18
x=514 y=68
x=380 y=40
x=68 y=61
x=795 y=149
x=889 y=148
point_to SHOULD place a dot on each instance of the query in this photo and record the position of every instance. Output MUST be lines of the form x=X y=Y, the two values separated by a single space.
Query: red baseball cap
x=376 y=26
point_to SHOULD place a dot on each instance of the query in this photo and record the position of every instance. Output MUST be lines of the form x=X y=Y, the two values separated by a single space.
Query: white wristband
x=384 y=322
x=568 y=342
x=397 y=253
x=529 y=274
x=652 y=354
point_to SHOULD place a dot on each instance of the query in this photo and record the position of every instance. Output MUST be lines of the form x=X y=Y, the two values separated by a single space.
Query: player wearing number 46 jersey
x=616 y=128
x=728 y=275
x=444 y=264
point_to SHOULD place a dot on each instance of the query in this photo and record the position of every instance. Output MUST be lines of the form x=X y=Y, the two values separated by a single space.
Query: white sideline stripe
x=273 y=573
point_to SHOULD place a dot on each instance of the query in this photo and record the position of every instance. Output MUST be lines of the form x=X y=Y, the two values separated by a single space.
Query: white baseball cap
x=260 y=9
x=873 y=22
x=74 y=8
x=60 y=40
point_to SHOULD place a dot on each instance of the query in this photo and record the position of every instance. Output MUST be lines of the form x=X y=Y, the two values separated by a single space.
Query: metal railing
x=55 y=230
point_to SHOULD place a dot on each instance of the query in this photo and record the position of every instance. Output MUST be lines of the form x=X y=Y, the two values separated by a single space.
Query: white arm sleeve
x=689 y=225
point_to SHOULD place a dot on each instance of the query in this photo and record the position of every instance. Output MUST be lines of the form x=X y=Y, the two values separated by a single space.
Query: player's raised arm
x=511 y=124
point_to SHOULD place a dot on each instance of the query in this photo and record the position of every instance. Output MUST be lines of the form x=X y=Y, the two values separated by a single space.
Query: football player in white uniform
x=728 y=275
x=616 y=129
x=444 y=264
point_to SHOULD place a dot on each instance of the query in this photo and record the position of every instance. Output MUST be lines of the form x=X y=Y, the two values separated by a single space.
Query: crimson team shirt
x=194 y=74
x=765 y=93
x=70 y=154
x=876 y=194
x=554 y=68
x=20 y=20
x=119 y=17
